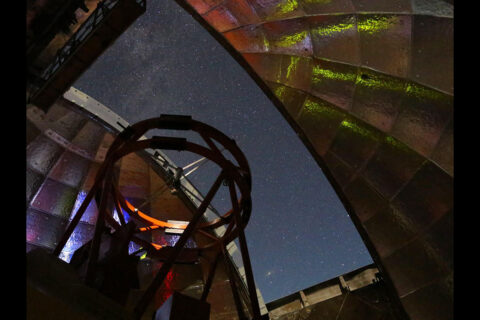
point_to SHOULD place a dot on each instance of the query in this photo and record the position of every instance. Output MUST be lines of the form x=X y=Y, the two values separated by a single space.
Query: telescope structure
x=367 y=85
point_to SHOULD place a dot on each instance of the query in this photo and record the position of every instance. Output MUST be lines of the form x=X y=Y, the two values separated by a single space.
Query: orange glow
x=157 y=246
x=148 y=228
x=155 y=222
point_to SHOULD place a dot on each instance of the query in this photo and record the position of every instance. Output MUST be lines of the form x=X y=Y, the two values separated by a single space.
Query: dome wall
x=368 y=86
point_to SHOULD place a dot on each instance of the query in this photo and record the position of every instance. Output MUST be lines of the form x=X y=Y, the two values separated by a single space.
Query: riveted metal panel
x=55 y=198
x=42 y=153
x=33 y=183
x=44 y=229
x=70 y=169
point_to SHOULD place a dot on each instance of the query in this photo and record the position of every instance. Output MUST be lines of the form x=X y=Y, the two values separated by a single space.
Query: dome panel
x=443 y=153
x=221 y=19
x=33 y=182
x=434 y=237
x=203 y=6
x=314 y=7
x=232 y=14
x=342 y=172
x=320 y=122
x=44 y=229
x=377 y=98
x=365 y=200
x=334 y=82
x=422 y=118
x=392 y=166
x=388 y=231
x=269 y=10
x=427 y=196
x=89 y=137
x=432 y=52
x=55 y=198
x=355 y=142
x=385 y=42
x=42 y=154
x=335 y=37
x=433 y=301
x=248 y=39
x=291 y=37
x=382 y=5
x=420 y=269
x=70 y=169
x=290 y=97
x=433 y=7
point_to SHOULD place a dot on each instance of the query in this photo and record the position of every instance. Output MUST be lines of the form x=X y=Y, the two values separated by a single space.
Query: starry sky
x=166 y=63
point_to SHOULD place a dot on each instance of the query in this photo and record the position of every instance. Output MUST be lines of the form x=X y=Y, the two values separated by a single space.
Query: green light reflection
x=321 y=110
x=360 y=130
x=332 y=30
x=292 y=67
x=370 y=25
x=290 y=40
x=280 y=92
x=265 y=43
x=287 y=6
x=319 y=74
x=423 y=93
x=375 y=82
x=378 y=82
x=377 y=24
x=397 y=144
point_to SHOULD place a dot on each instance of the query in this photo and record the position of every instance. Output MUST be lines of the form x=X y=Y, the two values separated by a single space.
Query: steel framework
x=105 y=189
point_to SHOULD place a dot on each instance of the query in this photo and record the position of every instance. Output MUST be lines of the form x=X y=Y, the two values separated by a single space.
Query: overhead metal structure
x=368 y=86
x=101 y=28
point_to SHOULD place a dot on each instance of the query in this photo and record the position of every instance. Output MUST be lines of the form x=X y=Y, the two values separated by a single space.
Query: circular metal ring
x=127 y=142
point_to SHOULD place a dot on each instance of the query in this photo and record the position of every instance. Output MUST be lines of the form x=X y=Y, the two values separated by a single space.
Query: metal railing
x=104 y=8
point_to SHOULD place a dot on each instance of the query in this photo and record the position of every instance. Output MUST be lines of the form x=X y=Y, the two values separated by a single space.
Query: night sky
x=166 y=63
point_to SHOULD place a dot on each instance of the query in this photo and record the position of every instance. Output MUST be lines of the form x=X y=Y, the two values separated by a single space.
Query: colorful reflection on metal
x=376 y=24
x=320 y=73
x=167 y=289
x=332 y=29
x=285 y=7
x=290 y=40
x=292 y=67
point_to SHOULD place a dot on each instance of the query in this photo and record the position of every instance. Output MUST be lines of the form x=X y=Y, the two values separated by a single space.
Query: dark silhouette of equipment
x=174 y=309
x=117 y=270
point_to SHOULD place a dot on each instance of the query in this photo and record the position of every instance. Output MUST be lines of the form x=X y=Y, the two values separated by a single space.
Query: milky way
x=299 y=233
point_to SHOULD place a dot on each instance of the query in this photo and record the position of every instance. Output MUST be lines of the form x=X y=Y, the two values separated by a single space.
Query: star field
x=299 y=233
